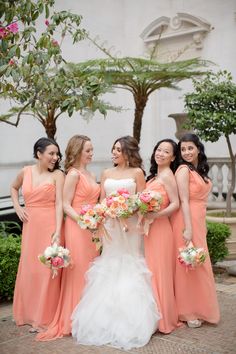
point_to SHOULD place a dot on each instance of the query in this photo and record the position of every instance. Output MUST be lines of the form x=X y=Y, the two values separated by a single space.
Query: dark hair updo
x=41 y=145
x=130 y=148
x=154 y=167
x=202 y=168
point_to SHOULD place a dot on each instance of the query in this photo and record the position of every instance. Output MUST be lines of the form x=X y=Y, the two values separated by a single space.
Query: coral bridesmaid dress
x=195 y=289
x=83 y=252
x=36 y=293
x=159 y=254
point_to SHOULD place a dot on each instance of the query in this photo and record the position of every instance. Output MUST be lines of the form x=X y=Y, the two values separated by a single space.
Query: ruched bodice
x=85 y=192
x=42 y=196
x=198 y=188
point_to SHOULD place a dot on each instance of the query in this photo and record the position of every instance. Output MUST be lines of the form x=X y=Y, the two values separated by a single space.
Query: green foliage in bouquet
x=217 y=235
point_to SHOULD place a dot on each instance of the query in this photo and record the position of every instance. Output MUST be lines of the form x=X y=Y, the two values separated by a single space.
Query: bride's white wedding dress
x=117 y=307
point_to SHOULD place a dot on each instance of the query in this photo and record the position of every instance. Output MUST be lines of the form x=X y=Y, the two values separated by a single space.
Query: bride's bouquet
x=120 y=204
x=147 y=201
x=91 y=218
x=55 y=257
x=192 y=257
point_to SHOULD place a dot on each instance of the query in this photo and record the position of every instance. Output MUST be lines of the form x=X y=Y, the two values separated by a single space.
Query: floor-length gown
x=195 y=289
x=118 y=307
x=159 y=254
x=36 y=293
x=83 y=251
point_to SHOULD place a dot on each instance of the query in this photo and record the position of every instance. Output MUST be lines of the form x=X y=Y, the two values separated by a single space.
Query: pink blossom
x=145 y=197
x=11 y=62
x=13 y=27
x=109 y=201
x=46 y=22
x=55 y=43
x=124 y=192
x=57 y=262
x=3 y=32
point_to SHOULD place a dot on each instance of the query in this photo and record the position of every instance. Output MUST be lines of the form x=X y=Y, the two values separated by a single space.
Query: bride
x=118 y=307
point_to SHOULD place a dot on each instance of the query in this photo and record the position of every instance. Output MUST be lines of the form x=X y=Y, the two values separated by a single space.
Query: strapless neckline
x=120 y=179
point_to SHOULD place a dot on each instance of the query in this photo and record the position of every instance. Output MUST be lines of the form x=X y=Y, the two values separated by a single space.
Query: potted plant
x=211 y=109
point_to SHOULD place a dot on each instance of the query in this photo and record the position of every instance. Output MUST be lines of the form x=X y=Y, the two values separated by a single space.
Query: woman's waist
x=46 y=205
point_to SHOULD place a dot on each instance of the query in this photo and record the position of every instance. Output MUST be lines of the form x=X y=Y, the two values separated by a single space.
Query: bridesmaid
x=159 y=243
x=195 y=290
x=80 y=188
x=36 y=293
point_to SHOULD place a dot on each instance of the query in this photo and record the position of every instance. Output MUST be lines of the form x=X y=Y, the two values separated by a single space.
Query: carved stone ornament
x=183 y=24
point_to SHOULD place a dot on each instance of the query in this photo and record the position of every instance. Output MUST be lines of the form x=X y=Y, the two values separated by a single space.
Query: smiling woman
x=36 y=294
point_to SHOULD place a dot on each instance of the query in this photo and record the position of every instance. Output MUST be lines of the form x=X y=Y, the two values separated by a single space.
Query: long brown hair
x=130 y=147
x=73 y=150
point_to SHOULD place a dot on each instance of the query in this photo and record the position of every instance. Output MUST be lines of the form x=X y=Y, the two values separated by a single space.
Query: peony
x=57 y=262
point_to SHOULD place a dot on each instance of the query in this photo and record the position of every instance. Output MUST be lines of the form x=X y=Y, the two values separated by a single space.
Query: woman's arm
x=172 y=191
x=16 y=185
x=182 y=178
x=71 y=181
x=59 y=180
x=103 y=178
x=140 y=180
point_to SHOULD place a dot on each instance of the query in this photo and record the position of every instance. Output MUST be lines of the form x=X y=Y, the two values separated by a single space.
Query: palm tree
x=139 y=76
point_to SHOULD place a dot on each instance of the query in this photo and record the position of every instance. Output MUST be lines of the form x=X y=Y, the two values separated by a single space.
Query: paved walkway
x=207 y=339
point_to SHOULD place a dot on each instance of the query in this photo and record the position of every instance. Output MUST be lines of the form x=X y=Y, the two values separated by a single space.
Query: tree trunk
x=140 y=100
x=50 y=125
x=233 y=176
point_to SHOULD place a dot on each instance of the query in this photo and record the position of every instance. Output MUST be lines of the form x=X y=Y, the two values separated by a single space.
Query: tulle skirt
x=118 y=307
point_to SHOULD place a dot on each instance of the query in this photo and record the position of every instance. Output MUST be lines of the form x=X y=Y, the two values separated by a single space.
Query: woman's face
x=87 y=153
x=118 y=157
x=49 y=157
x=189 y=152
x=164 y=154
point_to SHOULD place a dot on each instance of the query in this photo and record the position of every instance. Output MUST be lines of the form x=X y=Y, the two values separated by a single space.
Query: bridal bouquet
x=191 y=257
x=91 y=218
x=55 y=257
x=120 y=204
x=147 y=201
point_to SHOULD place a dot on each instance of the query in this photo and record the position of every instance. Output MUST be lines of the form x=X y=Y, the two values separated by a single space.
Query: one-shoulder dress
x=83 y=251
x=36 y=293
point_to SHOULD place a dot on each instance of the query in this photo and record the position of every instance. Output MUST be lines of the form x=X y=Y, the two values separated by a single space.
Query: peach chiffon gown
x=36 y=293
x=83 y=252
x=159 y=254
x=195 y=289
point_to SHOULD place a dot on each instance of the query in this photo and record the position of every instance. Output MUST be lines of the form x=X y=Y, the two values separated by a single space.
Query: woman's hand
x=55 y=238
x=187 y=236
x=22 y=214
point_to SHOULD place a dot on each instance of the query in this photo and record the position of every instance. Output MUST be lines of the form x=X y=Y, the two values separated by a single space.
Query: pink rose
x=124 y=192
x=13 y=27
x=46 y=22
x=57 y=262
x=145 y=197
x=109 y=201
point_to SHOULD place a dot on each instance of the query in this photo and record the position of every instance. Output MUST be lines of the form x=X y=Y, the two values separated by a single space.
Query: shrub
x=10 y=248
x=217 y=235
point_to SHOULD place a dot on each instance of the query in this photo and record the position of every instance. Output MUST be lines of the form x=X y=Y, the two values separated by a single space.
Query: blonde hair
x=73 y=150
